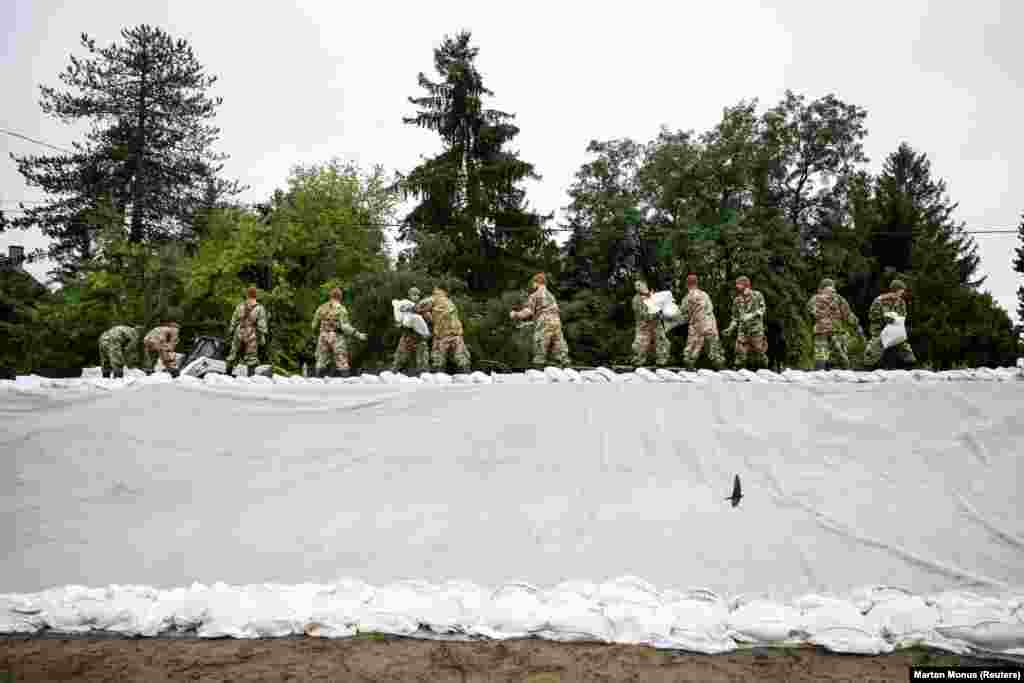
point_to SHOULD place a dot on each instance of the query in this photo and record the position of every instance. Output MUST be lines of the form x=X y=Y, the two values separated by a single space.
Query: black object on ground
x=205 y=347
x=737 y=493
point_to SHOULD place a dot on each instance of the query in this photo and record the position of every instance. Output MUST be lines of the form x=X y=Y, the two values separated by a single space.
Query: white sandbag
x=462 y=378
x=593 y=377
x=537 y=376
x=638 y=623
x=555 y=374
x=761 y=621
x=575 y=617
x=769 y=375
x=406 y=316
x=573 y=375
x=664 y=302
x=710 y=375
x=647 y=376
x=370 y=379
x=894 y=333
x=903 y=620
x=668 y=376
x=607 y=373
x=442 y=378
x=481 y=378
x=996 y=636
x=388 y=377
x=748 y=376
x=732 y=376
x=698 y=626
x=514 y=611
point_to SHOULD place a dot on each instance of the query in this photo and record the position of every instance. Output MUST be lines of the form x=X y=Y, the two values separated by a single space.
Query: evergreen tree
x=1018 y=266
x=470 y=199
x=149 y=153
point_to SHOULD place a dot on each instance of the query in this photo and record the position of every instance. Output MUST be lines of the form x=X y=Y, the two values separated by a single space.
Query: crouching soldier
x=411 y=344
x=650 y=330
x=548 y=339
x=448 y=341
x=332 y=322
x=883 y=309
x=162 y=342
x=698 y=310
x=118 y=345
x=830 y=308
x=748 y=312
x=248 y=333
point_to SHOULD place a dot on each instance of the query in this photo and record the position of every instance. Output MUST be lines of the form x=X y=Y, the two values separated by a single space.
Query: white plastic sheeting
x=849 y=478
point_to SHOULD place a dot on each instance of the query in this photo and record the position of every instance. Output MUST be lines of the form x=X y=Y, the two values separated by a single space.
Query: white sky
x=312 y=80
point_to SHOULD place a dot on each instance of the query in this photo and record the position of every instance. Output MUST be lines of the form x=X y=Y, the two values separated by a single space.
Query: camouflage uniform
x=650 y=332
x=547 y=327
x=411 y=345
x=748 y=311
x=829 y=308
x=162 y=341
x=331 y=348
x=891 y=302
x=448 y=340
x=117 y=344
x=248 y=332
x=700 y=312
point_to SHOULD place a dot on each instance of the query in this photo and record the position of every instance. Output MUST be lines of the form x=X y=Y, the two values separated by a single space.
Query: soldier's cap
x=251 y=292
x=540 y=279
x=743 y=280
x=827 y=282
x=414 y=292
x=440 y=288
x=336 y=293
x=897 y=284
x=691 y=279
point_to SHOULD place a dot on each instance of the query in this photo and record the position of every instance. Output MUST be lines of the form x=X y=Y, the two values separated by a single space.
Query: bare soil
x=384 y=659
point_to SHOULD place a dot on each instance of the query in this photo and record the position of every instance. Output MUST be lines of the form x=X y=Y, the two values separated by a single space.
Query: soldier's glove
x=860 y=331
x=361 y=337
x=512 y=315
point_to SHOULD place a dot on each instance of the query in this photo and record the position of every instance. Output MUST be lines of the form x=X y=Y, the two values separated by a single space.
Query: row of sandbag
x=872 y=620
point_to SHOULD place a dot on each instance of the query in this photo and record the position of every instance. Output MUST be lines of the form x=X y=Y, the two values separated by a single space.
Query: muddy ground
x=385 y=659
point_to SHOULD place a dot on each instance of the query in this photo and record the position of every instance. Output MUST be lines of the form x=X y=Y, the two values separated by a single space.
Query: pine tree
x=149 y=153
x=470 y=195
x=1018 y=266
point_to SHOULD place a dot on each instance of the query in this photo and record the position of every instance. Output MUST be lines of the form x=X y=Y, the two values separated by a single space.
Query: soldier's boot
x=174 y=372
x=252 y=370
x=343 y=374
x=106 y=373
x=324 y=373
x=229 y=369
x=119 y=373
x=820 y=365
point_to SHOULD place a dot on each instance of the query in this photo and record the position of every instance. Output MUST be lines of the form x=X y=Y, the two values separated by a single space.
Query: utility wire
x=38 y=142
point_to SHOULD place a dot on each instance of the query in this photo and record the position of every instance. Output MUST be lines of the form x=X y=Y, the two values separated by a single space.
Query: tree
x=149 y=153
x=1018 y=266
x=469 y=195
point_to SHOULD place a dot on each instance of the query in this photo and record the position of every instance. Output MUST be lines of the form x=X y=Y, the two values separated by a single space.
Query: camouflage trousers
x=548 y=341
x=248 y=351
x=749 y=345
x=873 y=352
x=411 y=345
x=165 y=352
x=646 y=342
x=832 y=348
x=331 y=350
x=449 y=346
x=696 y=342
x=112 y=355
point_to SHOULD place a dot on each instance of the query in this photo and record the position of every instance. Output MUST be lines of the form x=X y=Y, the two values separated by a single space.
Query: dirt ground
x=384 y=659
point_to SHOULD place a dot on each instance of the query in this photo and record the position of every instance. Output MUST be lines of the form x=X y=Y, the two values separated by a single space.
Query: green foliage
x=1018 y=266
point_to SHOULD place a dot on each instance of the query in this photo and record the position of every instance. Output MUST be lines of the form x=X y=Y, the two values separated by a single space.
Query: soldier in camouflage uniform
x=118 y=345
x=162 y=341
x=650 y=330
x=547 y=324
x=444 y=316
x=698 y=310
x=886 y=305
x=411 y=345
x=248 y=332
x=748 y=312
x=331 y=348
x=829 y=308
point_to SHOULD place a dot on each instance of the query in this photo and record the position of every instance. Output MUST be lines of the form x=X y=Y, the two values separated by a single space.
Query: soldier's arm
x=684 y=309
x=316 y=320
x=233 y=325
x=640 y=310
x=343 y=323
x=759 y=306
x=423 y=307
x=810 y=306
x=530 y=310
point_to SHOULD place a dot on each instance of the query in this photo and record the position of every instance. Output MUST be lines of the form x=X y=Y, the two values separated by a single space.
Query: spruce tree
x=1018 y=266
x=148 y=155
x=470 y=200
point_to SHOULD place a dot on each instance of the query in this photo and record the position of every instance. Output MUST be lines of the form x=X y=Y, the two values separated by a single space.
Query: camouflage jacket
x=828 y=308
x=646 y=322
x=165 y=336
x=249 y=322
x=443 y=314
x=332 y=316
x=541 y=306
x=122 y=335
x=698 y=310
x=886 y=303
x=750 y=303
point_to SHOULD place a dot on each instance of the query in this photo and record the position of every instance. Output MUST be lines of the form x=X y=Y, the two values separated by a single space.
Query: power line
x=38 y=142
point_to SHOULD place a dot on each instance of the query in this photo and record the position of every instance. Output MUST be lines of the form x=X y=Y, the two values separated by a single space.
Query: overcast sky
x=306 y=81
